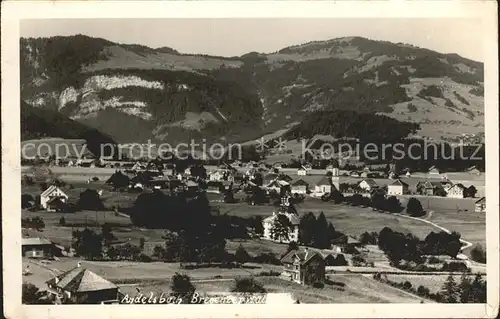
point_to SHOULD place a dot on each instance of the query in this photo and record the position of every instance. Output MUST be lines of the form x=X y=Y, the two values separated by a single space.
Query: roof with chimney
x=399 y=182
x=325 y=180
x=80 y=279
x=303 y=254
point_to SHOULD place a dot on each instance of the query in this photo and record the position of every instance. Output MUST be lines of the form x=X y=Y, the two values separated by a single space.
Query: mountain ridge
x=172 y=95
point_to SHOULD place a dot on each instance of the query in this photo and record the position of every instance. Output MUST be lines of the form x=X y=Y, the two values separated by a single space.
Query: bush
x=318 y=284
x=145 y=258
x=267 y=258
x=407 y=285
x=269 y=273
x=62 y=221
x=433 y=260
x=478 y=254
x=423 y=291
x=454 y=266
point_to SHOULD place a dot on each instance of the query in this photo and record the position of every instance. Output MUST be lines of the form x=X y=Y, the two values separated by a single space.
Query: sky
x=234 y=37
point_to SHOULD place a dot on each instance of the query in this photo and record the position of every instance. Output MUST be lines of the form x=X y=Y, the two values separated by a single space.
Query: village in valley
x=101 y=231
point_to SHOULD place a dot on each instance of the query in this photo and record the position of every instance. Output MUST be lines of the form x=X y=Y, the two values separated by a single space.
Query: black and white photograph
x=227 y=161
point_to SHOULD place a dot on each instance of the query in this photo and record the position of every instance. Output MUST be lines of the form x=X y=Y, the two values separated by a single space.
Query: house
x=429 y=188
x=215 y=187
x=82 y=286
x=35 y=247
x=302 y=171
x=303 y=266
x=334 y=168
x=456 y=191
x=192 y=186
x=398 y=187
x=368 y=184
x=323 y=186
x=299 y=187
x=216 y=176
x=408 y=174
x=480 y=205
x=50 y=193
x=434 y=171
x=276 y=186
x=347 y=245
x=284 y=177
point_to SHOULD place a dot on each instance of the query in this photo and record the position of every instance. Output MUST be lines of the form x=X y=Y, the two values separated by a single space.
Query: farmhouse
x=293 y=234
x=398 y=187
x=456 y=191
x=35 y=247
x=47 y=197
x=299 y=187
x=430 y=188
x=368 y=185
x=480 y=205
x=80 y=285
x=276 y=186
x=323 y=186
x=303 y=266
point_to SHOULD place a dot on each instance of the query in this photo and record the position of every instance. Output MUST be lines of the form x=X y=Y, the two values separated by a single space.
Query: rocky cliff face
x=135 y=93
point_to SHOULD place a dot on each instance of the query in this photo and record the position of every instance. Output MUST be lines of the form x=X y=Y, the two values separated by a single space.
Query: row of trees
x=378 y=202
x=317 y=232
x=398 y=246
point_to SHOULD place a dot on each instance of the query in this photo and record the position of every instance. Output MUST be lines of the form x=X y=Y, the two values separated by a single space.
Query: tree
x=257 y=225
x=118 y=180
x=87 y=244
x=89 y=200
x=478 y=254
x=62 y=221
x=281 y=228
x=321 y=238
x=393 y=204
x=356 y=199
x=471 y=191
x=414 y=207
x=30 y=294
x=307 y=226
x=26 y=201
x=465 y=289
x=292 y=246
x=158 y=252
x=247 y=285
x=367 y=238
x=378 y=201
x=229 y=196
x=449 y=290
x=182 y=287
x=478 y=289
x=241 y=255
x=107 y=235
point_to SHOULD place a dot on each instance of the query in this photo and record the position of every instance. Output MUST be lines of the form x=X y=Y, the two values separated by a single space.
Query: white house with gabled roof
x=51 y=193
